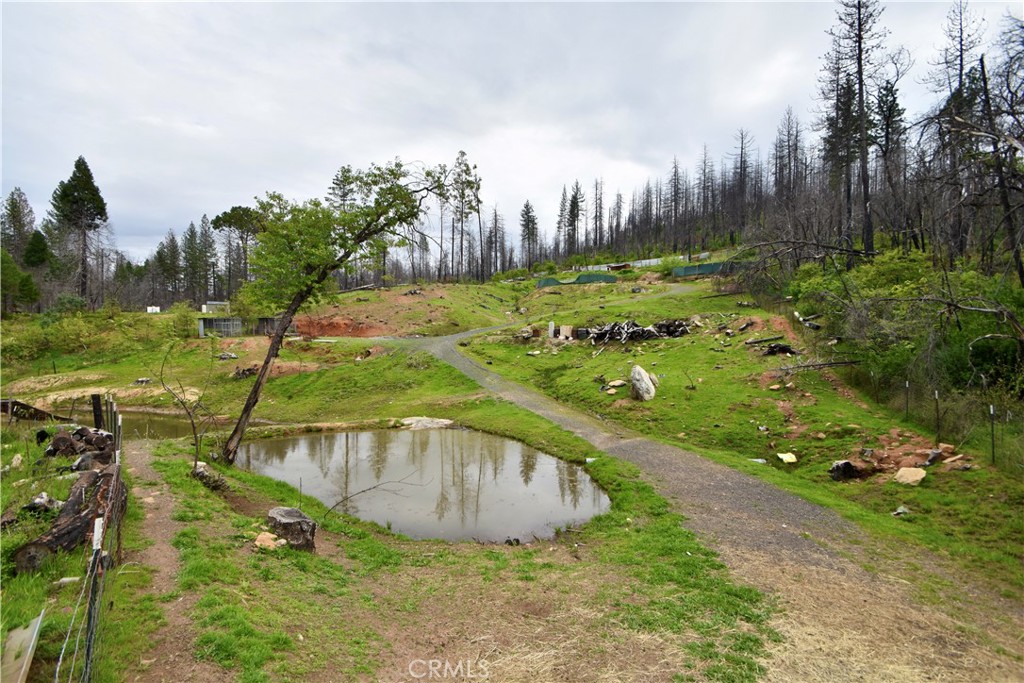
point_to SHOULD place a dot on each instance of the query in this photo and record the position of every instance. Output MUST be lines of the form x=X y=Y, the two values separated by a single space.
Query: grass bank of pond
x=632 y=591
x=632 y=575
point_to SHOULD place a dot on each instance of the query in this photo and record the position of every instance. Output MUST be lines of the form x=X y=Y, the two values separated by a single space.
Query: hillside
x=785 y=561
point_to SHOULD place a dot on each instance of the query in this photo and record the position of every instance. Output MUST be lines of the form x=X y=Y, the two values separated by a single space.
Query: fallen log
x=23 y=411
x=818 y=366
x=752 y=342
x=94 y=494
x=715 y=296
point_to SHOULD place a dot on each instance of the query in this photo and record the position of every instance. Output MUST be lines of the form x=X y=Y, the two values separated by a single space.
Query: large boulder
x=294 y=526
x=640 y=385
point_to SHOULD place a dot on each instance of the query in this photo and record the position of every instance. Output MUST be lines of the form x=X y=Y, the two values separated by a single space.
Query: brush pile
x=632 y=331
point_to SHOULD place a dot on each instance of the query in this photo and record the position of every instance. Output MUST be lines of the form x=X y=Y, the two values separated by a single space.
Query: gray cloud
x=183 y=109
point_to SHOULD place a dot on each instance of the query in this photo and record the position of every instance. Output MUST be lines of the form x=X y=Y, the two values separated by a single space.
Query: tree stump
x=294 y=526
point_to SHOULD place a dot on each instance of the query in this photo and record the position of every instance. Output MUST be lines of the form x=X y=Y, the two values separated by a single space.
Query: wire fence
x=85 y=629
x=992 y=423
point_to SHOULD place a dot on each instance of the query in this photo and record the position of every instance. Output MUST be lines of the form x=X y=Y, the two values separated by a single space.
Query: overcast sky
x=183 y=109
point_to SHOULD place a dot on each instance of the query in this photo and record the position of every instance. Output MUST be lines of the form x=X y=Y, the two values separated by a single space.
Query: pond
x=140 y=424
x=143 y=425
x=434 y=483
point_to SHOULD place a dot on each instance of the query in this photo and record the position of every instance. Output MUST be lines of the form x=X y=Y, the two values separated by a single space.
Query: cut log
x=94 y=494
x=61 y=442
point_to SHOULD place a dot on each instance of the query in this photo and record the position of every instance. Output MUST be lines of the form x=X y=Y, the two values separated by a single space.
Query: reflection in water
x=140 y=425
x=444 y=483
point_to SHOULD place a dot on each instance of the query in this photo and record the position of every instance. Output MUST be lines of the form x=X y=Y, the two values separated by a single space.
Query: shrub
x=68 y=303
x=184 y=321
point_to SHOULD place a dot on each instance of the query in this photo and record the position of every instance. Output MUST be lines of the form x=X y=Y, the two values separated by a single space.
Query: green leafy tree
x=17 y=222
x=301 y=246
x=78 y=208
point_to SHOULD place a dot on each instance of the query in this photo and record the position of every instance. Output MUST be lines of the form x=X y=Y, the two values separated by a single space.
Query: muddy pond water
x=143 y=425
x=434 y=483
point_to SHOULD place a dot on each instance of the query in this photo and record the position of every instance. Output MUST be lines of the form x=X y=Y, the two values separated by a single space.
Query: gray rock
x=417 y=423
x=640 y=385
x=43 y=503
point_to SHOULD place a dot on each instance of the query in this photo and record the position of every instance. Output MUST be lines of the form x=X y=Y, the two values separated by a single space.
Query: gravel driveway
x=840 y=621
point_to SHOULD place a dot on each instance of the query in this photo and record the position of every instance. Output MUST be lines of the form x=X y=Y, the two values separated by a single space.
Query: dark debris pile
x=630 y=330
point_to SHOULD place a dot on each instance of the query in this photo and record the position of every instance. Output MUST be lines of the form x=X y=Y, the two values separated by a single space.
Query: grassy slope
x=966 y=515
x=659 y=579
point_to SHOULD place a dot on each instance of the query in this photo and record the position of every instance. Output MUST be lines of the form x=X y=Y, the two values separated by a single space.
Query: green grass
x=252 y=607
x=672 y=583
x=128 y=617
x=711 y=400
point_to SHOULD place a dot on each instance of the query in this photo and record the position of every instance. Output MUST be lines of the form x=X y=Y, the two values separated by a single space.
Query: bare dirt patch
x=126 y=394
x=33 y=384
x=521 y=630
x=650 y=277
x=340 y=326
x=381 y=312
x=784 y=327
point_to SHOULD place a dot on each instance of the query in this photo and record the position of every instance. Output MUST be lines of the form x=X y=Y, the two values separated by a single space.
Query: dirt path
x=840 y=622
x=171 y=659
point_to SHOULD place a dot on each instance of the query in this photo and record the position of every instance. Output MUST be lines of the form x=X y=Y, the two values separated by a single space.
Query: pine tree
x=560 y=226
x=572 y=218
x=858 y=39
x=17 y=222
x=208 y=248
x=77 y=208
x=37 y=251
x=193 y=265
x=528 y=233
x=244 y=223
x=168 y=267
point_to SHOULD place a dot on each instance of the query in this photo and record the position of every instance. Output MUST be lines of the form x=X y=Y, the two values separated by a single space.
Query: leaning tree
x=300 y=245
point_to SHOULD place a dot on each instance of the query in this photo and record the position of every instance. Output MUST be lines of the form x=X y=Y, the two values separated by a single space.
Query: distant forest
x=857 y=180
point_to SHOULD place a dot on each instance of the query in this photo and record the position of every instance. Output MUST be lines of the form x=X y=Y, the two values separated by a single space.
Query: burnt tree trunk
x=95 y=494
